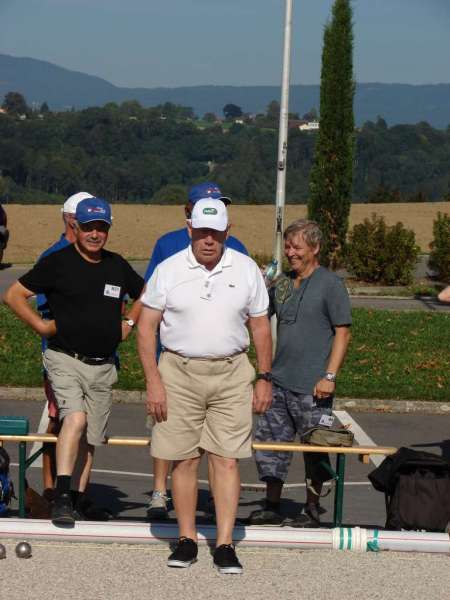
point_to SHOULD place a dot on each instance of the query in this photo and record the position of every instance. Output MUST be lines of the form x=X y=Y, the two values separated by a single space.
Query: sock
x=63 y=484
x=75 y=496
x=275 y=506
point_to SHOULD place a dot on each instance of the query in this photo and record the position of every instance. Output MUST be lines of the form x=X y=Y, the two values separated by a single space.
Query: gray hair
x=309 y=229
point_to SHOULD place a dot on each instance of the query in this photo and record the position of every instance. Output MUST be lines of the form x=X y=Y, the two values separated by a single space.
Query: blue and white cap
x=93 y=209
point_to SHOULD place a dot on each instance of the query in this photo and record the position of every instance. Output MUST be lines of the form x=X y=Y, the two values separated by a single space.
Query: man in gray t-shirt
x=313 y=332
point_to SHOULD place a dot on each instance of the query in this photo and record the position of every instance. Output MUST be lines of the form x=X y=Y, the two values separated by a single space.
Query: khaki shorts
x=209 y=406
x=82 y=388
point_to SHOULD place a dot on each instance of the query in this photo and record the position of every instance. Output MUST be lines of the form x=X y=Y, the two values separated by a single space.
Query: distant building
x=309 y=126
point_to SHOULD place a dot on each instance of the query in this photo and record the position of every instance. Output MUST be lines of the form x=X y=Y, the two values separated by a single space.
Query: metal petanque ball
x=2 y=551
x=23 y=550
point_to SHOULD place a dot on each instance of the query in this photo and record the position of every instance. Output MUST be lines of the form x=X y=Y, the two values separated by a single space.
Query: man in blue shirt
x=68 y=237
x=166 y=246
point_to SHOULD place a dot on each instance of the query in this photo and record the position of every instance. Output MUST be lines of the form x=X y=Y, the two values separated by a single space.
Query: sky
x=170 y=43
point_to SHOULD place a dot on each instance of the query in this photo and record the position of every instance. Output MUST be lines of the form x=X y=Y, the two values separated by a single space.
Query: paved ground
x=122 y=477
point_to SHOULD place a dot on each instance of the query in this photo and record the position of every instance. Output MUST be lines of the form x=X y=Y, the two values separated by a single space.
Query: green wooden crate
x=14 y=426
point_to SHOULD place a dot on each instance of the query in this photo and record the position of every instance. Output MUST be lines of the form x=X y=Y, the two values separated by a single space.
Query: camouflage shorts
x=291 y=414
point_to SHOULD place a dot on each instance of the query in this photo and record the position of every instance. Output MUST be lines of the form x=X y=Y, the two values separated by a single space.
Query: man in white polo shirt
x=200 y=394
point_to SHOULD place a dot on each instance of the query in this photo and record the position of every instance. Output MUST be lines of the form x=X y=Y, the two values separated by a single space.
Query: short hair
x=309 y=229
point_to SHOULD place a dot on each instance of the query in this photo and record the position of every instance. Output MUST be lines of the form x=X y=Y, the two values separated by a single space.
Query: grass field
x=136 y=227
x=397 y=355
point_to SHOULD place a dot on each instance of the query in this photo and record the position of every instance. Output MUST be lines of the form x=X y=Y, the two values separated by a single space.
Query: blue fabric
x=41 y=300
x=175 y=241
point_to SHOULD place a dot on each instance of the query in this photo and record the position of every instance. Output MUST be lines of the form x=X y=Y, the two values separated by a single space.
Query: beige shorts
x=82 y=388
x=209 y=408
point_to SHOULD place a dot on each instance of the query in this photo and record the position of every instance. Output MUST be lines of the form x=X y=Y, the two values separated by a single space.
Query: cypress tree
x=331 y=176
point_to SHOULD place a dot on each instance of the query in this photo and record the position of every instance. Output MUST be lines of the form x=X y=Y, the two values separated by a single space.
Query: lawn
x=399 y=355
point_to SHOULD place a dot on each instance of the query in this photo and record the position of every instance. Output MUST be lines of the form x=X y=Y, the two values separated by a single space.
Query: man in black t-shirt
x=85 y=286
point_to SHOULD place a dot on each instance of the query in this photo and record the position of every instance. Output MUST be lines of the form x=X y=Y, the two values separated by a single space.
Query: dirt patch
x=137 y=227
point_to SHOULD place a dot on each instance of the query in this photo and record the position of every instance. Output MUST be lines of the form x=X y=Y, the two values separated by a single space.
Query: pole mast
x=283 y=139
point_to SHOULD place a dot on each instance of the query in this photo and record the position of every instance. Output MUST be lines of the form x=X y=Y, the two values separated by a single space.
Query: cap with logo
x=208 y=189
x=209 y=214
x=93 y=209
x=70 y=205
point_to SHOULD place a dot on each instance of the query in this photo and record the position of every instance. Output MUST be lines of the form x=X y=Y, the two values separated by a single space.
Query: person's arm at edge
x=444 y=295
x=342 y=337
x=133 y=314
x=148 y=326
x=262 y=339
x=16 y=298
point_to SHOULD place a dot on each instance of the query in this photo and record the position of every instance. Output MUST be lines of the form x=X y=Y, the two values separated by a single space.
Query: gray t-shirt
x=307 y=317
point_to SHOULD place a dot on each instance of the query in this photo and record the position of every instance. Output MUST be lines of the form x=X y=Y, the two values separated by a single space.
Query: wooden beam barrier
x=363 y=453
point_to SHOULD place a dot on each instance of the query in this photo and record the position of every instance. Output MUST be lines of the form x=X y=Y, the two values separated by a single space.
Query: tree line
x=128 y=153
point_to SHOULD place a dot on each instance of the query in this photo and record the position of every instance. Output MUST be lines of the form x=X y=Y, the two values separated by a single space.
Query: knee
x=189 y=465
x=223 y=464
x=75 y=422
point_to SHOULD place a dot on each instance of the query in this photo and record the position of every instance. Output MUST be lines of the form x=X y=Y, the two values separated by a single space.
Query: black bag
x=417 y=490
x=6 y=485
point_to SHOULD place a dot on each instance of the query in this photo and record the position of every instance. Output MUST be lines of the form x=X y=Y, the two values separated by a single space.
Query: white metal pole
x=283 y=138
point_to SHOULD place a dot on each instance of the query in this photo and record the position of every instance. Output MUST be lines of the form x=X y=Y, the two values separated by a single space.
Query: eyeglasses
x=101 y=226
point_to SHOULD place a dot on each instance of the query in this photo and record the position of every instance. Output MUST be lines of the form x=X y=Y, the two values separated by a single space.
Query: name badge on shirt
x=113 y=291
x=326 y=420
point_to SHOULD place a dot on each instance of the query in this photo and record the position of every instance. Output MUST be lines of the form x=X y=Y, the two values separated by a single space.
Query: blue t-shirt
x=41 y=300
x=175 y=241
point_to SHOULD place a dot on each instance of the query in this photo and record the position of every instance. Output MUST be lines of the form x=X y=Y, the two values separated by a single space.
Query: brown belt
x=207 y=359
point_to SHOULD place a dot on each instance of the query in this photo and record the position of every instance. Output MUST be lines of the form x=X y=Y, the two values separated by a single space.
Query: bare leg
x=226 y=485
x=211 y=479
x=67 y=446
x=161 y=469
x=184 y=492
x=83 y=466
x=49 y=457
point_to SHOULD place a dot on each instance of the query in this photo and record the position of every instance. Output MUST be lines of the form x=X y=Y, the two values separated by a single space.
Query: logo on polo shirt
x=210 y=211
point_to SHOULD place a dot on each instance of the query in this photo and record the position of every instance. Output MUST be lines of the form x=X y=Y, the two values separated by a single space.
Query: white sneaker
x=157 y=507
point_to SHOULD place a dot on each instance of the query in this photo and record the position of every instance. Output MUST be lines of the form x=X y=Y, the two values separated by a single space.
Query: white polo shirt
x=205 y=312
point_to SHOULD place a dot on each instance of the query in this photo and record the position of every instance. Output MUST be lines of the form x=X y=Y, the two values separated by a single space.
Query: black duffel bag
x=417 y=490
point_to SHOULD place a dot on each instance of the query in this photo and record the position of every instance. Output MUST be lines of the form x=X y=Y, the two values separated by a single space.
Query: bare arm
x=132 y=314
x=148 y=325
x=444 y=295
x=323 y=387
x=262 y=338
x=16 y=297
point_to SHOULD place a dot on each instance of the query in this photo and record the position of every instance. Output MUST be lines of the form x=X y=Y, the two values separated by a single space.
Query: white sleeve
x=155 y=294
x=259 y=298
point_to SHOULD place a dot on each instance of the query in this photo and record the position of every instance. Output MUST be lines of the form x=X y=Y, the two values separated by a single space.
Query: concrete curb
x=351 y=404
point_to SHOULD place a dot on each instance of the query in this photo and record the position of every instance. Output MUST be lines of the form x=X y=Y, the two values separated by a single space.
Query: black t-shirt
x=85 y=298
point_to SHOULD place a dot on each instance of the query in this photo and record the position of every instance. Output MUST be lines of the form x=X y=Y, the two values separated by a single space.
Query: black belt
x=88 y=360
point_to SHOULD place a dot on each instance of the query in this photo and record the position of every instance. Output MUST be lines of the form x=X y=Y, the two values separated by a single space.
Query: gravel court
x=76 y=571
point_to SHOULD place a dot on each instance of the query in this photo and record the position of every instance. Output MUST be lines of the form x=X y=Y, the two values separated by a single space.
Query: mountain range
x=62 y=88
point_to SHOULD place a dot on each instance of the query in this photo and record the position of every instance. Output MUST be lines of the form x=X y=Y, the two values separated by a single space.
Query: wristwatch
x=129 y=322
x=329 y=376
x=267 y=376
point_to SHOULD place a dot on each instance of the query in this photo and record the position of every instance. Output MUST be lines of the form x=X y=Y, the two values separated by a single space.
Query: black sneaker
x=62 y=510
x=265 y=517
x=309 y=517
x=184 y=555
x=226 y=561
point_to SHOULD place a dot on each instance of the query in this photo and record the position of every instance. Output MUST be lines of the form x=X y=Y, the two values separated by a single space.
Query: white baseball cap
x=70 y=205
x=209 y=214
